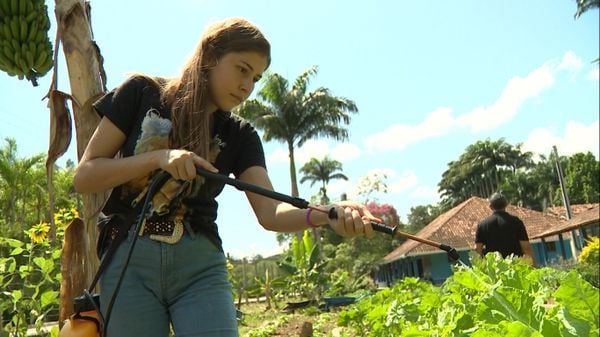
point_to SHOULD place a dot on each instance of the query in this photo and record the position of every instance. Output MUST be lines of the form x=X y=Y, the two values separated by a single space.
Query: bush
x=496 y=297
x=30 y=277
x=589 y=262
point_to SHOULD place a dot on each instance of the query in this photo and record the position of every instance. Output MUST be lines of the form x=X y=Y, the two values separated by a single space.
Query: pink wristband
x=308 y=222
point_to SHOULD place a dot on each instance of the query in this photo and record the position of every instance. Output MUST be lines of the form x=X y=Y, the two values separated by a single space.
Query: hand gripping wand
x=332 y=214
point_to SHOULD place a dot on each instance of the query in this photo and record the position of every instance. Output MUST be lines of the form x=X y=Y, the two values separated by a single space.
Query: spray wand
x=332 y=214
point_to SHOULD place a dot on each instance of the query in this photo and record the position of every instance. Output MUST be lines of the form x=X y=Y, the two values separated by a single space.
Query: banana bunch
x=25 y=49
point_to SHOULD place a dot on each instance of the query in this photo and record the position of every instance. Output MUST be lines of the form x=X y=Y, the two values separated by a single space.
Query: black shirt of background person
x=501 y=232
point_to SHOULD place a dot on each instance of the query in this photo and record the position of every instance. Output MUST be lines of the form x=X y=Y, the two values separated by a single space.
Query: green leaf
x=16 y=295
x=12 y=242
x=12 y=265
x=518 y=329
x=17 y=251
x=39 y=261
x=468 y=280
x=49 y=297
x=580 y=301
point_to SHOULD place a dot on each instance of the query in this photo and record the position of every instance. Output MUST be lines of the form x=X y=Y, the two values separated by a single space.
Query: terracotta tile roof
x=575 y=209
x=456 y=227
x=586 y=214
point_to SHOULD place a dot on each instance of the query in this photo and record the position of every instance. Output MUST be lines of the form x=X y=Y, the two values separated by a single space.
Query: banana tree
x=307 y=278
x=87 y=82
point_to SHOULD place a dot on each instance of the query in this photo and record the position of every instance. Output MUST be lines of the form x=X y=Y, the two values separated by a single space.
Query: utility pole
x=565 y=196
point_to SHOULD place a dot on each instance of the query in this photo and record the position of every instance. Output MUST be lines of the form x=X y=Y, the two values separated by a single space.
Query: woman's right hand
x=181 y=164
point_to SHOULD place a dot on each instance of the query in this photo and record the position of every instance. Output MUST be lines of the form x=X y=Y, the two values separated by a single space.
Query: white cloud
x=594 y=74
x=278 y=156
x=406 y=181
x=570 y=62
x=337 y=187
x=515 y=93
x=316 y=149
x=253 y=249
x=577 y=138
x=399 y=136
x=346 y=152
x=426 y=192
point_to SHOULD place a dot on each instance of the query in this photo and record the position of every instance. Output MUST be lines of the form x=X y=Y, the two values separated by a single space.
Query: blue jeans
x=184 y=284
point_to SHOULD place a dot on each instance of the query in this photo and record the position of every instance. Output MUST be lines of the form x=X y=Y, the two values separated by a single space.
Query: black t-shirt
x=501 y=232
x=135 y=108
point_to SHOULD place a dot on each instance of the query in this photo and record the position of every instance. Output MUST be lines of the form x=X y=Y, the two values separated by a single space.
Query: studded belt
x=163 y=231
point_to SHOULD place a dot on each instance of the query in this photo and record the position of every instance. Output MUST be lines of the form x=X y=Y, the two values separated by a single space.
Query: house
x=456 y=228
x=584 y=224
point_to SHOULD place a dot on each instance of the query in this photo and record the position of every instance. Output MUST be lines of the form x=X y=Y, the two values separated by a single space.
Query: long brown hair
x=187 y=95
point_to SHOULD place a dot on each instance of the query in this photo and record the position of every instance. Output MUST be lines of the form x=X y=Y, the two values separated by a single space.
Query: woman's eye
x=243 y=70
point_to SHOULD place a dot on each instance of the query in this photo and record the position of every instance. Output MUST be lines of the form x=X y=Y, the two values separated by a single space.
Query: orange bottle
x=85 y=322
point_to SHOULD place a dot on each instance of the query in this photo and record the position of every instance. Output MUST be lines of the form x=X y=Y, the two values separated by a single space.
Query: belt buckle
x=177 y=234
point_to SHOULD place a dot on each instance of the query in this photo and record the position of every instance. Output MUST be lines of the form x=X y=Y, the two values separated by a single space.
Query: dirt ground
x=297 y=325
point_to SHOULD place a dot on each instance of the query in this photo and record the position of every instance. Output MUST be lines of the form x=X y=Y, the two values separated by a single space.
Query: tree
x=420 y=216
x=16 y=180
x=585 y=5
x=87 y=82
x=582 y=178
x=481 y=168
x=294 y=115
x=322 y=171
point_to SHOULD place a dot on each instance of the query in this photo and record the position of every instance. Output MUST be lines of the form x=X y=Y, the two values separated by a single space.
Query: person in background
x=177 y=275
x=502 y=232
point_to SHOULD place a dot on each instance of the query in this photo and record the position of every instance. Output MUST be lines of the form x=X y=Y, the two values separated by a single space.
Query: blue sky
x=429 y=79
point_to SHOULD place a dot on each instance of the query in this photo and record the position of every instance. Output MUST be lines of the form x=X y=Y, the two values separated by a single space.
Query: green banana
x=5 y=4
x=45 y=21
x=41 y=36
x=8 y=52
x=32 y=47
x=45 y=67
x=22 y=7
x=6 y=61
x=40 y=59
x=33 y=28
x=2 y=35
x=15 y=44
x=7 y=32
x=32 y=15
x=29 y=58
x=24 y=28
x=3 y=11
x=14 y=7
x=14 y=28
x=19 y=63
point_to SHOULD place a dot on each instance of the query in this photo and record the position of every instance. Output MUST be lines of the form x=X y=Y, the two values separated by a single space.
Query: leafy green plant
x=268 y=329
x=307 y=278
x=589 y=261
x=30 y=277
x=496 y=297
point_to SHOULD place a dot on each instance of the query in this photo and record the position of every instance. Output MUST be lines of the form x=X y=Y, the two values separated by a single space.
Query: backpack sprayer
x=88 y=320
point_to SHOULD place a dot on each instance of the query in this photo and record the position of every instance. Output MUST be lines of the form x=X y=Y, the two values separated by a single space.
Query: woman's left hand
x=353 y=219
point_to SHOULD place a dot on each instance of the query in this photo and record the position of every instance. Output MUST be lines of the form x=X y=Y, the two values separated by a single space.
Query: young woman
x=177 y=274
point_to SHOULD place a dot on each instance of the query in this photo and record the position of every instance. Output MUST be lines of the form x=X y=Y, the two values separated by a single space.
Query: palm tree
x=15 y=172
x=294 y=116
x=481 y=169
x=585 y=5
x=322 y=171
